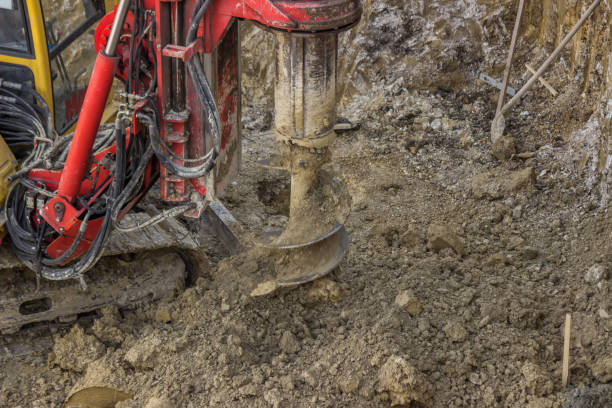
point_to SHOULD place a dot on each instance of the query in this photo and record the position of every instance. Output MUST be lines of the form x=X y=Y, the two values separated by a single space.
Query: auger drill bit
x=314 y=240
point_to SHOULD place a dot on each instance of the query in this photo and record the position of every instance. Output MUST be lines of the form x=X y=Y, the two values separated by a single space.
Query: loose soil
x=460 y=271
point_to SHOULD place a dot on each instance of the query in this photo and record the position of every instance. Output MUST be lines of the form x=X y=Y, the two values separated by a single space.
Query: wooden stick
x=566 y=349
x=543 y=81
x=517 y=25
x=516 y=98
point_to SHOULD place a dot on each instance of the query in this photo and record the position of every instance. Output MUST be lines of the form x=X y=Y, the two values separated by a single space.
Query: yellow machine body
x=8 y=164
x=35 y=26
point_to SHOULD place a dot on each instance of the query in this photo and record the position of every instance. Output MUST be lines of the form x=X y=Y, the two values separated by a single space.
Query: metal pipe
x=305 y=88
x=113 y=38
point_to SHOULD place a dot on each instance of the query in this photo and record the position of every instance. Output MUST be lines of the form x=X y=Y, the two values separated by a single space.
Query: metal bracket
x=228 y=229
x=183 y=53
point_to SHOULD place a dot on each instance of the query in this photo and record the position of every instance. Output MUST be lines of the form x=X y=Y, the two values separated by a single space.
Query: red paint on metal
x=183 y=53
x=184 y=130
x=87 y=126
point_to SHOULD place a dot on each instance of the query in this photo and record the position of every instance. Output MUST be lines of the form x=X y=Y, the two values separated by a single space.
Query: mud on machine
x=179 y=124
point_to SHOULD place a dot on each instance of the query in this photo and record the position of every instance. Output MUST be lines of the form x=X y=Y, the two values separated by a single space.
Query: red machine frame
x=181 y=124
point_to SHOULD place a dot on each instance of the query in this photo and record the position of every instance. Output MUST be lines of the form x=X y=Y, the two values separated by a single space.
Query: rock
x=143 y=354
x=537 y=381
x=159 y=402
x=540 y=403
x=76 y=350
x=163 y=315
x=349 y=385
x=103 y=372
x=467 y=296
x=514 y=242
x=404 y=384
x=455 y=331
x=522 y=179
x=249 y=390
x=310 y=377
x=595 y=274
x=602 y=369
x=105 y=328
x=286 y=382
x=489 y=397
x=274 y=397
x=289 y=343
x=503 y=148
x=497 y=259
x=517 y=212
x=497 y=183
x=441 y=236
x=326 y=290
x=411 y=239
x=484 y=322
x=529 y=253
x=407 y=300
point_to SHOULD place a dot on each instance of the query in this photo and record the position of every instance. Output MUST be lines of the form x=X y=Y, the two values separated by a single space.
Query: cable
x=196 y=72
x=164 y=215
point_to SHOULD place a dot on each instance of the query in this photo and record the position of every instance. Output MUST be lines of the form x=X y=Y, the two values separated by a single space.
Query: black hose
x=196 y=72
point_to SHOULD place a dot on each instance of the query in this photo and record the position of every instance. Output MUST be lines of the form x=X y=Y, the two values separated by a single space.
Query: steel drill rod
x=550 y=60
x=115 y=34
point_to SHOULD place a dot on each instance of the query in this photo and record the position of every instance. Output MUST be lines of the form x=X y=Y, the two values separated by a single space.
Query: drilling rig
x=73 y=170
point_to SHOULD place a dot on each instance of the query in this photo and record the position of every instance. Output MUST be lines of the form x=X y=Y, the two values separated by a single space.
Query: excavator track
x=151 y=273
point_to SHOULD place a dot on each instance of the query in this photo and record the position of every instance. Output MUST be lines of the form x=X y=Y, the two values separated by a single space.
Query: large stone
x=497 y=183
x=289 y=343
x=404 y=383
x=442 y=236
x=163 y=313
x=595 y=273
x=326 y=290
x=143 y=355
x=537 y=381
x=455 y=331
x=408 y=301
x=349 y=384
x=76 y=350
x=540 y=403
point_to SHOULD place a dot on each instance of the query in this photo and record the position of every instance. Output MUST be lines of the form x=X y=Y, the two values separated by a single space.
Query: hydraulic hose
x=196 y=72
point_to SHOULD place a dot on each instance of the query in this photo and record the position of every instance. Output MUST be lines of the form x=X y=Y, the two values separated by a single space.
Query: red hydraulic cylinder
x=86 y=130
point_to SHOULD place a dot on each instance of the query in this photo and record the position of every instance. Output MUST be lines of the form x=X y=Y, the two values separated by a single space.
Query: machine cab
x=48 y=44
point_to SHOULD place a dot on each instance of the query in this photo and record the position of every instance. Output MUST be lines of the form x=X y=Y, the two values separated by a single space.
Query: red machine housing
x=182 y=125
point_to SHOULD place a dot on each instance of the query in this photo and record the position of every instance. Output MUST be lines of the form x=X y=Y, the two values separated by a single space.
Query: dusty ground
x=460 y=272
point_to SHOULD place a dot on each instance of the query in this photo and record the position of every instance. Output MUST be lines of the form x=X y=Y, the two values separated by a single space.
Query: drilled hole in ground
x=275 y=194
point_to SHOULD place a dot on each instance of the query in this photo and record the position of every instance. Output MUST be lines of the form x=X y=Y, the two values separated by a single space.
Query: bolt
x=59 y=208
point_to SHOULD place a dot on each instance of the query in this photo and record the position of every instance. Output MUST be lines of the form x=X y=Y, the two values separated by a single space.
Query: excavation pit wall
x=432 y=45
